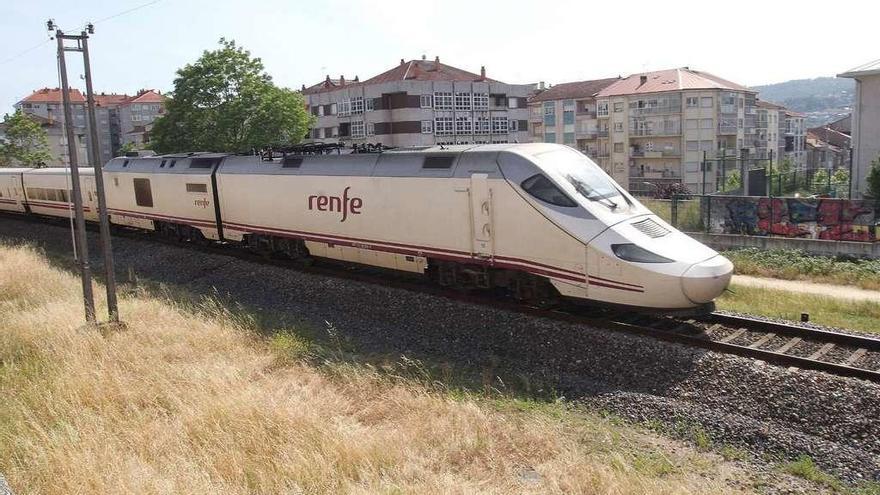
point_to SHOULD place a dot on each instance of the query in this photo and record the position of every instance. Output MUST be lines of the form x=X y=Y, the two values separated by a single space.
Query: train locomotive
x=541 y=221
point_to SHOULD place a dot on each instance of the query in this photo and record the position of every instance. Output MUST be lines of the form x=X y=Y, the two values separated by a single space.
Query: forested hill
x=823 y=99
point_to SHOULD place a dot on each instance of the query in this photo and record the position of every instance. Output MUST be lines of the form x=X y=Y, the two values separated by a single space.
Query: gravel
x=771 y=411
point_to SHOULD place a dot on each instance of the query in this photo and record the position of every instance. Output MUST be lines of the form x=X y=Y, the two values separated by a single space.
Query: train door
x=89 y=197
x=481 y=216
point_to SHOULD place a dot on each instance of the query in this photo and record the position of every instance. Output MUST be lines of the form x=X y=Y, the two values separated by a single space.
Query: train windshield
x=584 y=175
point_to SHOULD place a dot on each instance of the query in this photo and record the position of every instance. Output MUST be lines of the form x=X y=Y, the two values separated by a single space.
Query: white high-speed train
x=540 y=220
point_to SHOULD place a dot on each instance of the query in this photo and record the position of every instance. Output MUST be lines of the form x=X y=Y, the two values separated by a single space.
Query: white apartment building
x=566 y=114
x=865 y=123
x=419 y=103
x=657 y=127
x=795 y=133
x=769 y=134
x=46 y=105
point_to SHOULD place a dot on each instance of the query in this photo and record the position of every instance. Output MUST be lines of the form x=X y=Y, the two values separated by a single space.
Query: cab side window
x=542 y=188
x=143 y=195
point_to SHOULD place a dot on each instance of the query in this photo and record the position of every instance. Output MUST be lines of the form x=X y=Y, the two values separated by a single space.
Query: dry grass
x=186 y=403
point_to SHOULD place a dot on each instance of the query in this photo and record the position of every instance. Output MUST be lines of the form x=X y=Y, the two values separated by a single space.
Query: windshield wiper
x=587 y=193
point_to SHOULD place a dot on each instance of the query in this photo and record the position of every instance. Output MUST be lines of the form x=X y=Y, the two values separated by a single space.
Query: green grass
x=805 y=468
x=797 y=265
x=856 y=315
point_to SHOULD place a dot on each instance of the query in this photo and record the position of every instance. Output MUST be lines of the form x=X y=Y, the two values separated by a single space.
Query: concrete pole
x=106 y=248
x=82 y=247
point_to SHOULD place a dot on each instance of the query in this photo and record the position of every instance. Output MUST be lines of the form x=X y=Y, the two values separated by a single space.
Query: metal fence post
x=673 y=210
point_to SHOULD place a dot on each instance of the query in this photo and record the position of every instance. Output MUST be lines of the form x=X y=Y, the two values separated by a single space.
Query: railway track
x=777 y=343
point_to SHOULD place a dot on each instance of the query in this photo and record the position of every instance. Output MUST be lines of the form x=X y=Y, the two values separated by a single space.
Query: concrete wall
x=825 y=219
x=812 y=246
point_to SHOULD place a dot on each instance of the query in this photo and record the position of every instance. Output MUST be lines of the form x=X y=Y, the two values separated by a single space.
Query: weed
x=805 y=468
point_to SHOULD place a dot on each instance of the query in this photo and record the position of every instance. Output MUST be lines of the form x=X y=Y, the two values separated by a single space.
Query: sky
x=746 y=41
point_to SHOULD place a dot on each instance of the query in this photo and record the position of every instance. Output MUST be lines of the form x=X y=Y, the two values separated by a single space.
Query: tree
x=26 y=143
x=129 y=146
x=873 y=180
x=226 y=102
x=840 y=176
x=733 y=182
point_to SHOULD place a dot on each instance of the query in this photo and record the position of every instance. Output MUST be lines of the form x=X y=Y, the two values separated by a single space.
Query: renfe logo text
x=344 y=205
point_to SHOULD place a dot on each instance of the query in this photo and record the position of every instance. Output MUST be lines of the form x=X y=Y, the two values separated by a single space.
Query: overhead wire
x=153 y=2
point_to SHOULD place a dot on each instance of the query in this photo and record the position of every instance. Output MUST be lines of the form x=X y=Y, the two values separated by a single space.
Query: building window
x=618 y=127
x=618 y=147
x=499 y=125
x=706 y=145
x=357 y=129
x=345 y=107
x=602 y=109
x=462 y=101
x=481 y=101
x=568 y=138
x=693 y=146
x=618 y=106
x=371 y=129
x=427 y=125
x=426 y=101
x=320 y=110
x=549 y=137
x=357 y=105
x=514 y=126
x=442 y=100
x=568 y=116
x=692 y=102
x=333 y=109
x=512 y=102
x=549 y=113
x=706 y=124
x=368 y=104
x=706 y=102
x=442 y=125
x=482 y=125
x=463 y=125
x=692 y=124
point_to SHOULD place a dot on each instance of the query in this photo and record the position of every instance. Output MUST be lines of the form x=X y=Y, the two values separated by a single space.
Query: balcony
x=588 y=134
x=602 y=133
x=586 y=113
x=655 y=110
x=666 y=131
x=726 y=129
x=655 y=154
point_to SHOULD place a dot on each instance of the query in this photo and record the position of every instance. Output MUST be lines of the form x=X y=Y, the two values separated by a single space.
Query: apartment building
x=769 y=135
x=865 y=123
x=566 y=114
x=795 y=134
x=419 y=103
x=120 y=119
x=46 y=106
x=656 y=128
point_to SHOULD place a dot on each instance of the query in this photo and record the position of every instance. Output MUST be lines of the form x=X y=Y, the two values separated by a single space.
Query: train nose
x=705 y=281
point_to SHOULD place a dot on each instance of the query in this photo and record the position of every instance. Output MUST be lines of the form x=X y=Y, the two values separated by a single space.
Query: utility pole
x=82 y=247
x=95 y=158
x=106 y=248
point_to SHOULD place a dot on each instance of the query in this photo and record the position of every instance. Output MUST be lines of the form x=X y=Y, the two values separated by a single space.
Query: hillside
x=823 y=99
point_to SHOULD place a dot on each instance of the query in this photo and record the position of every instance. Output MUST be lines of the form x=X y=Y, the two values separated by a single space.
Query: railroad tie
x=788 y=345
x=763 y=340
x=713 y=328
x=732 y=336
x=855 y=356
x=822 y=351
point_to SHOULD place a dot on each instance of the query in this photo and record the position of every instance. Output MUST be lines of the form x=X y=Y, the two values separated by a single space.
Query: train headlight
x=636 y=254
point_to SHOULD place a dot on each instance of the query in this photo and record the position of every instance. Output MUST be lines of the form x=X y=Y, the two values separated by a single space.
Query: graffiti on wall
x=829 y=219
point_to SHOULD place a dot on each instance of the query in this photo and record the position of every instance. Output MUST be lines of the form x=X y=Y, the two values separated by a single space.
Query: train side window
x=125 y=163
x=143 y=195
x=162 y=165
x=173 y=162
x=542 y=188
x=438 y=162
x=196 y=188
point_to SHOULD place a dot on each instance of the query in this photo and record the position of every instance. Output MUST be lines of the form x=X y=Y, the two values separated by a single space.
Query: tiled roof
x=53 y=95
x=669 y=80
x=414 y=70
x=578 y=89
x=147 y=96
x=106 y=100
x=766 y=104
x=868 y=69
x=792 y=113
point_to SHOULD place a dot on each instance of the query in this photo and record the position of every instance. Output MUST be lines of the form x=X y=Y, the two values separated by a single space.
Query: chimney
x=341 y=80
x=304 y=87
x=437 y=59
x=401 y=62
x=356 y=79
x=482 y=72
x=541 y=86
x=643 y=80
x=424 y=57
x=327 y=81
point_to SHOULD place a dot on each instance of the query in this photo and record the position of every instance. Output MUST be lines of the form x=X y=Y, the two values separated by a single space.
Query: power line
x=127 y=11
x=25 y=52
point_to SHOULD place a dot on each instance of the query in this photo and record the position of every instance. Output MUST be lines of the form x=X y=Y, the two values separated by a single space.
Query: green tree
x=873 y=180
x=26 y=143
x=226 y=102
x=733 y=182
x=820 y=180
x=840 y=176
x=130 y=146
